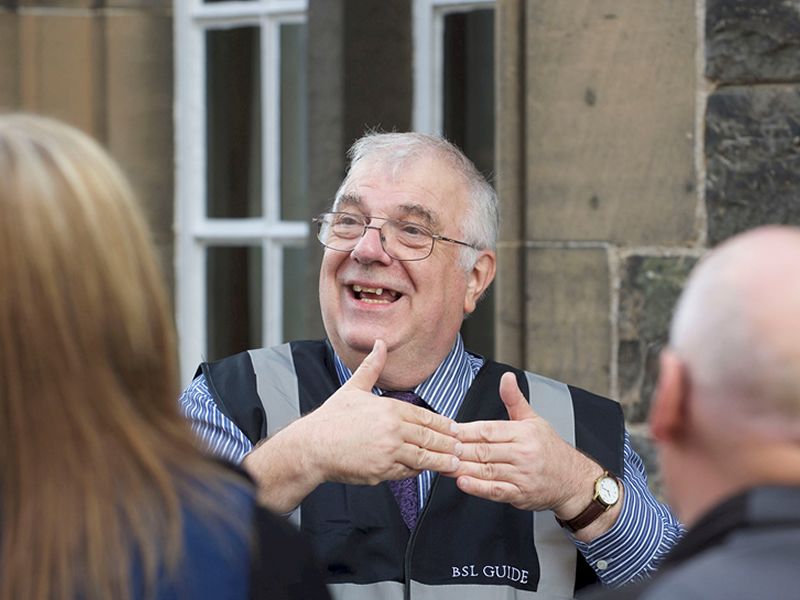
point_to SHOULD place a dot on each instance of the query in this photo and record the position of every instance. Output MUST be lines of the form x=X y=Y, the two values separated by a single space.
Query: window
x=242 y=209
x=454 y=96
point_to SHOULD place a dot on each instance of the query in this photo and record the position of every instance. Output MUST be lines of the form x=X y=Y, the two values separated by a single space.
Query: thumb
x=370 y=369
x=516 y=404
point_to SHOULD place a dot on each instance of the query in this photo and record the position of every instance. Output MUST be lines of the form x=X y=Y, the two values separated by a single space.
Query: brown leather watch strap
x=589 y=514
x=596 y=508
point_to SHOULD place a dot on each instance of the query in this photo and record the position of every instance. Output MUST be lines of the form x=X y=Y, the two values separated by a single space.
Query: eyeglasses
x=402 y=240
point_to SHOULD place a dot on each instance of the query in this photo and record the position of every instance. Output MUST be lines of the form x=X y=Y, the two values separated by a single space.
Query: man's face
x=421 y=303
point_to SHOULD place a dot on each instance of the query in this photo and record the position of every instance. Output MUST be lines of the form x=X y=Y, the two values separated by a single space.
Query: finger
x=420 y=459
x=369 y=370
x=483 y=452
x=427 y=418
x=499 y=491
x=430 y=439
x=488 y=471
x=516 y=404
x=487 y=431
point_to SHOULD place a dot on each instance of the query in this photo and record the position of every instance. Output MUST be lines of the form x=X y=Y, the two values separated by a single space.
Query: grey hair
x=395 y=150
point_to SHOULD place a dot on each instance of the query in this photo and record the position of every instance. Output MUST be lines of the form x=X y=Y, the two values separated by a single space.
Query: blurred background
x=625 y=137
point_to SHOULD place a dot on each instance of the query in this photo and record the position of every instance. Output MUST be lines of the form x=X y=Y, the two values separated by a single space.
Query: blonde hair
x=95 y=458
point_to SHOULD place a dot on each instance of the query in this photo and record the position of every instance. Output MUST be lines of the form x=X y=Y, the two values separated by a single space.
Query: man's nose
x=370 y=248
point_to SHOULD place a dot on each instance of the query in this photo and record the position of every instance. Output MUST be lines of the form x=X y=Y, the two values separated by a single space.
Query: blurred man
x=726 y=419
x=410 y=245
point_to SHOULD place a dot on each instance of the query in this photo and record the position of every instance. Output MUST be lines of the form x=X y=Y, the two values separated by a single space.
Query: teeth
x=377 y=291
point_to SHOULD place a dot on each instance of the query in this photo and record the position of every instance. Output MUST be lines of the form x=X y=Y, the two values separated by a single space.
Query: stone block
x=509 y=289
x=165 y=254
x=9 y=61
x=510 y=142
x=610 y=121
x=327 y=145
x=139 y=79
x=644 y=447
x=649 y=289
x=52 y=46
x=753 y=158
x=378 y=50
x=567 y=314
x=752 y=41
x=60 y=5
x=151 y=6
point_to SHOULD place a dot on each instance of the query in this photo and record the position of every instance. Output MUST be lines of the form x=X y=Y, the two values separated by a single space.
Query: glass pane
x=469 y=85
x=233 y=123
x=235 y=300
x=294 y=131
x=298 y=299
x=469 y=122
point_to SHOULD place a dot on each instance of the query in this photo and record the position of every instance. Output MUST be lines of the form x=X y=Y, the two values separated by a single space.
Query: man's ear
x=670 y=400
x=478 y=279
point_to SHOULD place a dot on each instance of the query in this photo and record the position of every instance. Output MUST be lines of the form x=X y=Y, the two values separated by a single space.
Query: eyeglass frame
x=435 y=237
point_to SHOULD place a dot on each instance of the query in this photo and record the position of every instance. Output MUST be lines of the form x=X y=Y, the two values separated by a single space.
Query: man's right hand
x=354 y=437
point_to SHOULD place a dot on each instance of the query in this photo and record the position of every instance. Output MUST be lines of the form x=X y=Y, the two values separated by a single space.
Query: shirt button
x=601 y=565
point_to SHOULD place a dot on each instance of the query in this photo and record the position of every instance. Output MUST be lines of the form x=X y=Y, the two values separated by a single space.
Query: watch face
x=608 y=490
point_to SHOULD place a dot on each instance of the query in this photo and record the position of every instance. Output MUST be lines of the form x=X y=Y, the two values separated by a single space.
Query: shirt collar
x=445 y=389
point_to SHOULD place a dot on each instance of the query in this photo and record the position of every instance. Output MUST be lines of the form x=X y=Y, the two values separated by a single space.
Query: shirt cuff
x=630 y=549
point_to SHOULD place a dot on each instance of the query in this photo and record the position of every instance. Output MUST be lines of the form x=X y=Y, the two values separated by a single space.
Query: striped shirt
x=632 y=549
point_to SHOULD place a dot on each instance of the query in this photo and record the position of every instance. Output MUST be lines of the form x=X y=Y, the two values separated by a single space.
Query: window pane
x=469 y=122
x=297 y=297
x=294 y=133
x=234 y=292
x=233 y=123
x=469 y=85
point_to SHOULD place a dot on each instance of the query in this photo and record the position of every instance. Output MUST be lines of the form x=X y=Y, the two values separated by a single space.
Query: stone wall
x=633 y=135
x=105 y=66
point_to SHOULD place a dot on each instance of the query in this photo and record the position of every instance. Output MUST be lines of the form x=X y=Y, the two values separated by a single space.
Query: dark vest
x=461 y=543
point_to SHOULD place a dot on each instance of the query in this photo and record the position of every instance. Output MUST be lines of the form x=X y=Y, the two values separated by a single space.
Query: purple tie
x=405 y=490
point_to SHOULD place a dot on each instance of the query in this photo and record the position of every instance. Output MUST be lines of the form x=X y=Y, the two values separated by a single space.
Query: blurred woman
x=103 y=492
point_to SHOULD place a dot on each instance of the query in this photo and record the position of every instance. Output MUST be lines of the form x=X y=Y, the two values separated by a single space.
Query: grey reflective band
x=558 y=557
x=471 y=591
x=276 y=385
x=393 y=590
x=381 y=590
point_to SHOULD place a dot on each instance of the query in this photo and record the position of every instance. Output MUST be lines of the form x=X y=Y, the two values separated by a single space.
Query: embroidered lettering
x=507 y=572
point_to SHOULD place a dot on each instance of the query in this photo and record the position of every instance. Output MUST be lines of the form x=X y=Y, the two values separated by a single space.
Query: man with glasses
x=418 y=469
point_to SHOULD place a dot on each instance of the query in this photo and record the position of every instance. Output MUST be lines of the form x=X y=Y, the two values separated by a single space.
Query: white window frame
x=428 y=17
x=194 y=231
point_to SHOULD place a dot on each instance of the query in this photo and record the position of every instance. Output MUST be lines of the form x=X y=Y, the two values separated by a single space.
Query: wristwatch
x=606 y=495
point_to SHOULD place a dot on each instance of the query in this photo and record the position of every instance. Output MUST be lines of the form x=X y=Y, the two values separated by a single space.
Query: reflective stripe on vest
x=276 y=385
x=382 y=590
x=393 y=590
x=558 y=559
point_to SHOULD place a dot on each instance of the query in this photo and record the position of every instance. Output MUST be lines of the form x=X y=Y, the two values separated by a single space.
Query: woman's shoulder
x=284 y=566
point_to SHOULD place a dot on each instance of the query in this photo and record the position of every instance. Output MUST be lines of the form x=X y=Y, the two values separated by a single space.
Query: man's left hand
x=523 y=461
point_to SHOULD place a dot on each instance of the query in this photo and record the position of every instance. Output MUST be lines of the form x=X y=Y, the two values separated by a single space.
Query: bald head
x=737 y=329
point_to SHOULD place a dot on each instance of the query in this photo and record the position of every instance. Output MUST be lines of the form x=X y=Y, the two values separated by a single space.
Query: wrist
x=581 y=492
x=606 y=495
x=280 y=467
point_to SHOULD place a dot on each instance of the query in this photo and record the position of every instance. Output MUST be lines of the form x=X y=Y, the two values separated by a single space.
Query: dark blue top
x=270 y=561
